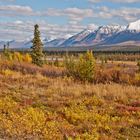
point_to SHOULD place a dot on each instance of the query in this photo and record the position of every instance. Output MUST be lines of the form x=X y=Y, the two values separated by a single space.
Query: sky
x=62 y=18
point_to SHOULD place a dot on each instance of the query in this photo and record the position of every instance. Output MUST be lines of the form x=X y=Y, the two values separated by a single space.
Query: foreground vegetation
x=51 y=102
x=34 y=106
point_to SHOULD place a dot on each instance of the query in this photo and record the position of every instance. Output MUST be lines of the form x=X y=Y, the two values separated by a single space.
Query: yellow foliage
x=62 y=108
x=82 y=68
x=137 y=76
x=17 y=57
x=7 y=72
x=27 y=58
x=20 y=121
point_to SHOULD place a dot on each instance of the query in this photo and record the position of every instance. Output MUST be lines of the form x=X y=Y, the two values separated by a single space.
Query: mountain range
x=103 y=36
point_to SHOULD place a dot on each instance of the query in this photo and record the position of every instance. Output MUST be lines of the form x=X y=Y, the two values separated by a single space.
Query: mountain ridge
x=102 y=36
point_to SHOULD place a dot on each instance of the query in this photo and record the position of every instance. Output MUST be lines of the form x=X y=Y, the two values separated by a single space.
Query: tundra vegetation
x=78 y=98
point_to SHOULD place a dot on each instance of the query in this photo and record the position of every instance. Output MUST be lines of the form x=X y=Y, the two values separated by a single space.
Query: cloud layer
x=17 y=21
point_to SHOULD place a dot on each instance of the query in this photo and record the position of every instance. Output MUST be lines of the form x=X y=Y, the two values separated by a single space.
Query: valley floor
x=38 y=107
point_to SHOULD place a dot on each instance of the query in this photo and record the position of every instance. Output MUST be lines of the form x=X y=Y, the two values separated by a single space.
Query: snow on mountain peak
x=82 y=34
x=134 y=25
x=109 y=29
x=85 y=31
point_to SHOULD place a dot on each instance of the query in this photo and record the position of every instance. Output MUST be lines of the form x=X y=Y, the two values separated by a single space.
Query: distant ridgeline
x=104 y=38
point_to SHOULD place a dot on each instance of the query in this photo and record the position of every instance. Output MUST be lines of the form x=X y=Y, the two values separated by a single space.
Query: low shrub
x=83 y=68
x=26 y=68
x=116 y=75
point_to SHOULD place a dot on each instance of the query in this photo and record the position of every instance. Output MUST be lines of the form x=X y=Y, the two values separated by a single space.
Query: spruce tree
x=6 y=51
x=37 y=48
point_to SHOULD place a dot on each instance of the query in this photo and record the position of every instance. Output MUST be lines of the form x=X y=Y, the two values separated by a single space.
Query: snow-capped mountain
x=122 y=37
x=130 y=34
x=134 y=26
x=102 y=33
x=102 y=36
x=75 y=40
x=54 y=43
x=107 y=35
x=110 y=29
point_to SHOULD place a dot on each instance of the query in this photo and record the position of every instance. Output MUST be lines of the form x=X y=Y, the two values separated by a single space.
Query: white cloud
x=19 y=22
x=123 y=13
x=15 y=10
x=92 y=26
x=74 y=14
x=21 y=30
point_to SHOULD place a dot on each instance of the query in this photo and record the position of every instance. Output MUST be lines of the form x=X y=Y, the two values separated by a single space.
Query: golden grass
x=43 y=103
x=38 y=107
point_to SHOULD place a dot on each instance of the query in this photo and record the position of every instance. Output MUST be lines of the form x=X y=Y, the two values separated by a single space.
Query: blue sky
x=62 y=18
